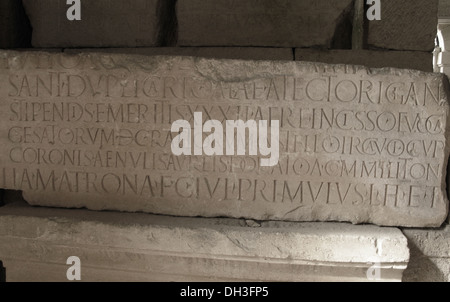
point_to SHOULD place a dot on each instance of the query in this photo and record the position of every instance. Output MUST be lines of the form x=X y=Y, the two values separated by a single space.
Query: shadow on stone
x=167 y=23
x=10 y=196
x=342 y=38
x=2 y=272
x=421 y=268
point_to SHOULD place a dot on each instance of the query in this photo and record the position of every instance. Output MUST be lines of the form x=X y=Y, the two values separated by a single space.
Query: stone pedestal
x=36 y=242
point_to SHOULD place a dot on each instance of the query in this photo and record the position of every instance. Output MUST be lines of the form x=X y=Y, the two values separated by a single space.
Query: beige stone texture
x=418 y=60
x=36 y=242
x=356 y=144
x=280 y=23
x=405 y=25
x=104 y=23
x=238 y=53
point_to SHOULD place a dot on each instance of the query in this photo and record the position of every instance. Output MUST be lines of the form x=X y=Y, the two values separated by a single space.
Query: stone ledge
x=36 y=242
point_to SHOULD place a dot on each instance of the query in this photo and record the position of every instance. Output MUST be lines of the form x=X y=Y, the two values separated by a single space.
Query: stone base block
x=36 y=242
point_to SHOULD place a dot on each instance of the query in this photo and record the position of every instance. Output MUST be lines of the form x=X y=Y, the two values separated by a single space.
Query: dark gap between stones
x=15 y=28
x=2 y=272
x=167 y=23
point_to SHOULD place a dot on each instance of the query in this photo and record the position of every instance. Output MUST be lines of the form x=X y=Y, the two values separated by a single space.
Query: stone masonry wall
x=288 y=30
x=403 y=38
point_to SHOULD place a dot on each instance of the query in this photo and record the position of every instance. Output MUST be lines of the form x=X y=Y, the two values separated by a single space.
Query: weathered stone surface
x=430 y=255
x=104 y=23
x=238 y=53
x=405 y=25
x=36 y=242
x=93 y=130
x=418 y=60
x=281 y=23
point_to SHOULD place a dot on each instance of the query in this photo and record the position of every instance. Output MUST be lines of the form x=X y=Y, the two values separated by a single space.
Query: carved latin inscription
x=355 y=144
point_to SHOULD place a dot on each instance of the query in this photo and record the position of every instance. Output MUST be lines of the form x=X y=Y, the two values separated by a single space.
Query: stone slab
x=238 y=53
x=430 y=255
x=418 y=60
x=281 y=23
x=104 y=23
x=355 y=144
x=405 y=25
x=36 y=242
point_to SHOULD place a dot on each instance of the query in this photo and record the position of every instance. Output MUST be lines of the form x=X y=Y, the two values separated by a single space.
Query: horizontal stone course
x=36 y=243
